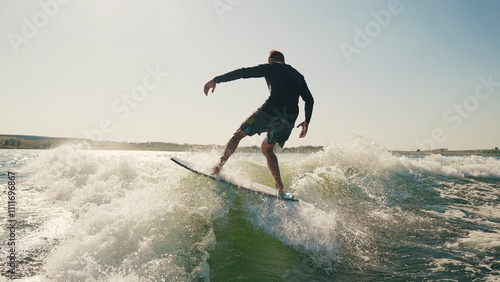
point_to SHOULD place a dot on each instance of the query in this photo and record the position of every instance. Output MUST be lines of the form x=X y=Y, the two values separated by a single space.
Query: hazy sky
x=406 y=74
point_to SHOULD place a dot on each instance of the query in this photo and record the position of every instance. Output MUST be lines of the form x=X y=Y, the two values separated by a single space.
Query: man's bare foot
x=281 y=191
x=216 y=170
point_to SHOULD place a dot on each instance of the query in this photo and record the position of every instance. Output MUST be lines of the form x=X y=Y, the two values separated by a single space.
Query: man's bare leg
x=272 y=164
x=230 y=148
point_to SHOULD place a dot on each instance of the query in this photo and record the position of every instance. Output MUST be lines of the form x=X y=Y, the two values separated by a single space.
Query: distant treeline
x=39 y=142
x=494 y=151
x=28 y=142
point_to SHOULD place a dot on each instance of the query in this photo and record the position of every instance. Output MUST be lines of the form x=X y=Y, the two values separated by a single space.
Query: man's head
x=276 y=56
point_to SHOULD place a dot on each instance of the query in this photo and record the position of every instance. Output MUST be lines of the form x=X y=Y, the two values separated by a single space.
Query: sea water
x=364 y=215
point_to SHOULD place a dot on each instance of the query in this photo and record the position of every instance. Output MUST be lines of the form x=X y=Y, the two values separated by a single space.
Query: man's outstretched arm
x=257 y=71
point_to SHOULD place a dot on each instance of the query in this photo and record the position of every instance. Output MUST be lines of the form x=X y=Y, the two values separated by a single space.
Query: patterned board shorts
x=278 y=129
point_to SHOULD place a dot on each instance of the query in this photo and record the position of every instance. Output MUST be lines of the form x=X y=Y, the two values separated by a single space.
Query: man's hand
x=305 y=126
x=209 y=85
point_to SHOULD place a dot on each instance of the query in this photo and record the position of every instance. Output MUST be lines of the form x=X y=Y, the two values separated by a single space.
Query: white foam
x=125 y=215
x=364 y=155
x=301 y=226
x=454 y=166
x=134 y=215
x=488 y=211
x=479 y=240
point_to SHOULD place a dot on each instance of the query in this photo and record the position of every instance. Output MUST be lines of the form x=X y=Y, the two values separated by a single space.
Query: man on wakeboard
x=278 y=113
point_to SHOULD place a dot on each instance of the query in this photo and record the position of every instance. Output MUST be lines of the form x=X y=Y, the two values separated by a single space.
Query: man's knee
x=267 y=148
x=239 y=134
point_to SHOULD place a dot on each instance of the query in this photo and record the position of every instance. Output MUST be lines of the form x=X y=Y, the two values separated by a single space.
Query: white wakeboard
x=253 y=186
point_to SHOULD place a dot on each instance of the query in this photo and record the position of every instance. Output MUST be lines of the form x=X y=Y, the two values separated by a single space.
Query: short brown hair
x=276 y=56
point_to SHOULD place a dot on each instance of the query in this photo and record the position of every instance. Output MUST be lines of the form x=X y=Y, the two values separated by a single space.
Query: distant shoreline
x=450 y=152
x=41 y=142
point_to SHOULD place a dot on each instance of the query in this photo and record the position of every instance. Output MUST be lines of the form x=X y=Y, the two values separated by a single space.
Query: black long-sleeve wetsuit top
x=285 y=84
